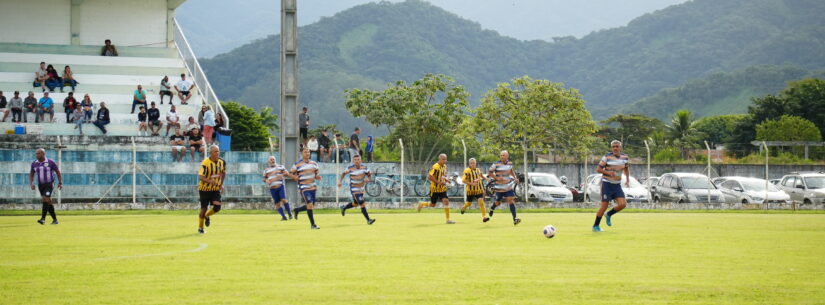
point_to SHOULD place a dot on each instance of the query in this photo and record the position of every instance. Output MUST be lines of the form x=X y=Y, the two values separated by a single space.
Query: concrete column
x=74 y=22
x=289 y=90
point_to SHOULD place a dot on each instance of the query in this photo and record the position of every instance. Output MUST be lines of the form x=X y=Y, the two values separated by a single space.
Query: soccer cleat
x=597 y=229
x=371 y=221
x=283 y=219
x=607 y=220
x=491 y=213
x=343 y=210
x=295 y=212
x=462 y=211
x=41 y=221
x=54 y=222
x=486 y=219
x=314 y=227
x=290 y=216
x=516 y=221
x=208 y=221
x=200 y=231
x=449 y=222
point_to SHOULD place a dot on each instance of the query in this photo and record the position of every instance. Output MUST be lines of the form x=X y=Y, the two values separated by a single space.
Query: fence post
x=401 y=142
x=338 y=172
x=134 y=172
x=649 y=194
x=526 y=174
x=585 y=188
x=709 y=171
x=465 y=166
x=767 y=154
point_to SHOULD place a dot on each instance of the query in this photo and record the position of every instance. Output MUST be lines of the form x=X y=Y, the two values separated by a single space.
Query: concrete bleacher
x=106 y=79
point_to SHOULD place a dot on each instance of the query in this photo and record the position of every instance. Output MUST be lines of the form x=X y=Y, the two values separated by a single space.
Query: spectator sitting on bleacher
x=68 y=79
x=184 y=88
x=196 y=144
x=77 y=117
x=102 y=117
x=143 y=123
x=4 y=109
x=138 y=98
x=16 y=105
x=46 y=105
x=178 y=146
x=172 y=120
x=88 y=108
x=69 y=105
x=154 y=120
x=108 y=49
x=191 y=125
x=313 y=145
x=166 y=89
x=30 y=106
x=54 y=80
x=40 y=77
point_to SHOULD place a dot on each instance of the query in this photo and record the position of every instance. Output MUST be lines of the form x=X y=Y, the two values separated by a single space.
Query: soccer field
x=645 y=258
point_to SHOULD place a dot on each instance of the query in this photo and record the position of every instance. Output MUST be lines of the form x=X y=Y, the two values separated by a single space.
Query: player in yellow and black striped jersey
x=474 y=188
x=438 y=187
x=210 y=176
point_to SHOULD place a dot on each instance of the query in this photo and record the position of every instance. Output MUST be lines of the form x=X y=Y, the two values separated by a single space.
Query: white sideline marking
x=200 y=247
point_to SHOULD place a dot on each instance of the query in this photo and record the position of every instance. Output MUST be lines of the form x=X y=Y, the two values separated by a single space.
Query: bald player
x=505 y=181
x=438 y=187
x=274 y=176
x=359 y=176
x=45 y=169
x=307 y=173
x=211 y=177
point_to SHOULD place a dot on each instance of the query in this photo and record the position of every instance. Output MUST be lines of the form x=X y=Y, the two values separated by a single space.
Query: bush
x=668 y=155
x=780 y=158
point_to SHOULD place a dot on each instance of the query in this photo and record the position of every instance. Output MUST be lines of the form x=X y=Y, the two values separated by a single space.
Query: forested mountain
x=373 y=44
x=721 y=93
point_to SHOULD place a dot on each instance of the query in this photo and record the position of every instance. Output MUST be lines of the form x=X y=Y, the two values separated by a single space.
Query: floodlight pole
x=288 y=147
x=649 y=194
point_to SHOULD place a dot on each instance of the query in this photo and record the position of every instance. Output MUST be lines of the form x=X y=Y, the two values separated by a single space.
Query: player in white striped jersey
x=306 y=172
x=359 y=176
x=275 y=176
x=505 y=181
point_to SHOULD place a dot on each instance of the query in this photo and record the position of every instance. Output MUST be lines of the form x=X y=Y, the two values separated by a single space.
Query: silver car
x=686 y=187
x=635 y=193
x=750 y=190
x=804 y=187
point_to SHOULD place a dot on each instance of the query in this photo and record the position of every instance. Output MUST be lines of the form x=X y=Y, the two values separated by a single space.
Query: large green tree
x=248 y=129
x=425 y=113
x=719 y=129
x=539 y=114
x=631 y=129
x=804 y=98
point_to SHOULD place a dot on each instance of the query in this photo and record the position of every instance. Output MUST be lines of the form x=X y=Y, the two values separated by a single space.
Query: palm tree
x=682 y=130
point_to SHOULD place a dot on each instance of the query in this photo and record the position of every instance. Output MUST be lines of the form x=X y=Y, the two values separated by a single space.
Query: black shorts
x=45 y=189
x=196 y=146
x=471 y=198
x=303 y=133
x=154 y=123
x=165 y=92
x=207 y=197
x=185 y=93
x=436 y=197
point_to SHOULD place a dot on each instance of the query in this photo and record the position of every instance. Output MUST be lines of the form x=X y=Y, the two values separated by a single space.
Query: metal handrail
x=196 y=72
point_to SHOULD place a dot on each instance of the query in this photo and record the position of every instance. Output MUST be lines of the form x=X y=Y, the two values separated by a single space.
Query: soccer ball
x=549 y=231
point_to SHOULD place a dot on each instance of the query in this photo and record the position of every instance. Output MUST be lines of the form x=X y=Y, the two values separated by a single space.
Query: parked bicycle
x=386 y=184
x=454 y=185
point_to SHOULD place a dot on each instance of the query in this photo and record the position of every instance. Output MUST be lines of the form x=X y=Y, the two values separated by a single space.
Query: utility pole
x=289 y=90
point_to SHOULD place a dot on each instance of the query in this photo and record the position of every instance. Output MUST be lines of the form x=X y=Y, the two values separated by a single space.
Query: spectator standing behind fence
x=303 y=124
x=153 y=115
x=323 y=147
x=370 y=148
x=355 y=143
x=108 y=49
x=340 y=148
x=68 y=78
x=178 y=146
x=69 y=105
x=184 y=88
x=16 y=105
x=77 y=117
x=30 y=106
x=143 y=120
x=200 y=115
x=208 y=124
x=166 y=89
x=40 y=76
x=4 y=107
x=138 y=98
x=88 y=108
x=172 y=119
x=312 y=144
x=102 y=117
x=54 y=80
x=46 y=105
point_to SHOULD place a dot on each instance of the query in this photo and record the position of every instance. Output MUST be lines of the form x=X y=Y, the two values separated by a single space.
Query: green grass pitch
x=409 y=258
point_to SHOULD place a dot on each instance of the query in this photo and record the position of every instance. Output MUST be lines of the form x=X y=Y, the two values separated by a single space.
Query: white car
x=750 y=190
x=546 y=187
x=805 y=187
x=635 y=193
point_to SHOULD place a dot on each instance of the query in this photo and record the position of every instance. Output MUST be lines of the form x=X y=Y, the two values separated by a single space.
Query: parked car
x=635 y=193
x=546 y=187
x=804 y=187
x=775 y=181
x=686 y=187
x=750 y=190
x=649 y=182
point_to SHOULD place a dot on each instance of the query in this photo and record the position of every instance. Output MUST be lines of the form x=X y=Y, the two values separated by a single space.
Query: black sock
x=611 y=212
x=493 y=206
x=51 y=212
x=44 y=210
x=301 y=209
x=348 y=206
x=598 y=221
x=513 y=211
x=364 y=211
x=311 y=219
